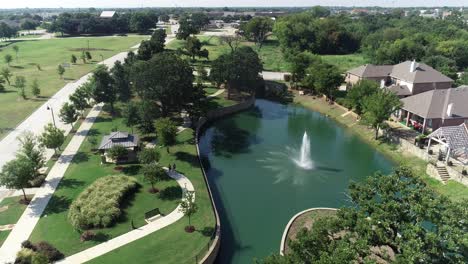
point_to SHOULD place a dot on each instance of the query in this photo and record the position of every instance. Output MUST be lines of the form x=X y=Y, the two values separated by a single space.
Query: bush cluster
x=41 y=252
x=99 y=204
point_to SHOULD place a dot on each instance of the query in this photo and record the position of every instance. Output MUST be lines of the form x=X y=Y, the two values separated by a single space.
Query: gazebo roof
x=119 y=138
x=456 y=137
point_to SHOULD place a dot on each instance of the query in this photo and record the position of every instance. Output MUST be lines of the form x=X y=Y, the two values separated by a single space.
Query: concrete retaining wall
x=457 y=176
x=213 y=250
x=431 y=170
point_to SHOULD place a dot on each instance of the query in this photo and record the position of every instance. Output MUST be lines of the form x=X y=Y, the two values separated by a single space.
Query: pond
x=268 y=163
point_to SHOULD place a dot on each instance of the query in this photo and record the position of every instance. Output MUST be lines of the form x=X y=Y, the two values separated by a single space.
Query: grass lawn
x=270 y=53
x=210 y=90
x=172 y=244
x=54 y=226
x=345 y=62
x=10 y=215
x=218 y=101
x=49 y=54
x=454 y=190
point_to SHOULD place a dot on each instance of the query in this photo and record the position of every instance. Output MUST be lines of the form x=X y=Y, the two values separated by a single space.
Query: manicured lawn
x=14 y=211
x=210 y=90
x=49 y=54
x=345 y=62
x=10 y=215
x=54 y=226
x=454 y=190
x=172 y=244
x=270 y=53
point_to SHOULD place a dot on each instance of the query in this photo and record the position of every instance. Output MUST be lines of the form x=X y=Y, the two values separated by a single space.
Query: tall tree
x=299 y=64
x=36 y=91
x=8 y=59
x=192 y=47
x=52 y=137
x=17 y=173
x=31 y=149
x=148 y=155
x=80 y=99
x=73 y=59
x=158 y=40
x=171 y=84
x=20 y=84
x=166 y=131
x=188 y=207
x=68 y=114
x=153 y=173
x=104 y=91
x=239 y=70
x=257 y=29
x=131 y=115
x=147 y=113
x=121 y=82
x=6 y=73
x=324 y=78
x=145 y=51
x=378 y=107
x=357 y=94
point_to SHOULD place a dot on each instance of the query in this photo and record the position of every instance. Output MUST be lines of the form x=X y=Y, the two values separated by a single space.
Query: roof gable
x=423 y=73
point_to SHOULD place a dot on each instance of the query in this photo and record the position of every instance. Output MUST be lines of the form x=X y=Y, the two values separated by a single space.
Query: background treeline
x=382 y=38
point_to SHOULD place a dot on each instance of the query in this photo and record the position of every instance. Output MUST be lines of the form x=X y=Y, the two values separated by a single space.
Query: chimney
x=413 y=66
x=450 y=110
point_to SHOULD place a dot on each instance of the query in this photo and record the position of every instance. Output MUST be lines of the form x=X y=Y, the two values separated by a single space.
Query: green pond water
x=252 y=158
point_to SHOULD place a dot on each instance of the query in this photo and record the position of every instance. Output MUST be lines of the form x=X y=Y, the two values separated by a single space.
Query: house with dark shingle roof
x=120 y=138
x=433 y=109
x=405 y=79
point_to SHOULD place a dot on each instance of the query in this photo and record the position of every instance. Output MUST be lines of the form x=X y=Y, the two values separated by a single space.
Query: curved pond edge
x=212 y=115
x=288 y=226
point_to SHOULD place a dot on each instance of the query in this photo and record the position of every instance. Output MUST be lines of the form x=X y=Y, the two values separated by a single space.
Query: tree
x=80 y=99
x=192 y=46
x=171 y=84
x=83 y=57
x=73 y=59
x=164 y=18
x=319 y=11
x=2 y=84
x=147 y=112
x=257 y=29
x=88 y=55
x=20 y=84
x=145 y=51
x=16 y=49
x=166 y=131
x=121 y=82
x=188 y=207
x=60 y=71
x=17 y=173
x=6 y=74
x=239 y=70
x=31 y=150
x=36 y=91
x=68 y=114
x=232 y=41
x=117 y=152
x=131 y=115
x=378 y=107
x=324 y=78
x=52 y=137
x=359 y=92
x=158 y=41
x=104 y=90
x=299 y=64
x=140 y=22
x=463 y=79
x=29 y=25
x=388 y=221
x=148 y=155
x=8 y=59
x=153 y=173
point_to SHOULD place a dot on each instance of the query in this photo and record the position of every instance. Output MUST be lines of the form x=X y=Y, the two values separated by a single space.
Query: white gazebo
x=454 y=139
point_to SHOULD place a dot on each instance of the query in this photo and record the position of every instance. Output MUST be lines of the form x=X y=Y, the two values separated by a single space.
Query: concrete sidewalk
x=138 y=233
x=33 y=212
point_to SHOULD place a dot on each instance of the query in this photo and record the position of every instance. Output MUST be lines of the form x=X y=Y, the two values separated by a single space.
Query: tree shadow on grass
x=171 y=193
x=187 y=157
x=207 y=231
x=131 y=170
x=127 y=201
x=57 y=204
x=80 y=157
x=71 y=183
x=100 y=237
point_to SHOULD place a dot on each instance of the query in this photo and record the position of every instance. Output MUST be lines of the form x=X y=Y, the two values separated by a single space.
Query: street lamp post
x=52 y=111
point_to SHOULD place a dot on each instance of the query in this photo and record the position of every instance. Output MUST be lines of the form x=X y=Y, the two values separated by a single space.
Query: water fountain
x=304 y=160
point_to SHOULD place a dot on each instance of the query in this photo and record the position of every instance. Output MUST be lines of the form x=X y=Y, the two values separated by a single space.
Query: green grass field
x=85 y=169
x=10 y=215
x=345 y=62
x=49 y=54
x=454 y=190
x=172 y=244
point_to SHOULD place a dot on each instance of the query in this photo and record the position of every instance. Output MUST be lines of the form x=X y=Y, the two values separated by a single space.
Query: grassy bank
x=48 y=54
x=13 y=210
x=452 y=189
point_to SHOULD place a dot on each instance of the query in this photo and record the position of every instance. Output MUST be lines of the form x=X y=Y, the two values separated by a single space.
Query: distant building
x=107 y=14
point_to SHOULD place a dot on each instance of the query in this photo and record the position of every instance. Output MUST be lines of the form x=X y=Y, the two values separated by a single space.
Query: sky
x=222 y=3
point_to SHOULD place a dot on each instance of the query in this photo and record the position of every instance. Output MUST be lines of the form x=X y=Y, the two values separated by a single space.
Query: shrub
x=49 y=251
x=98 y=204
x=87 y=235
x=148 y=155
x=464 y=172
x=117 y=152
x=28 y=244
x=450 y=163
x=24 y=256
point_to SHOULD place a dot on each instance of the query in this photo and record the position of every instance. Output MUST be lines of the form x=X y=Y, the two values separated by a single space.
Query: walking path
x=33 y=212
x=138 y=233
x=220 y=91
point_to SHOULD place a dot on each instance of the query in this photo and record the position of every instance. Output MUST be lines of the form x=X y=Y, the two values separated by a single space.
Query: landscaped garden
x=84 y=171
x=39 y=59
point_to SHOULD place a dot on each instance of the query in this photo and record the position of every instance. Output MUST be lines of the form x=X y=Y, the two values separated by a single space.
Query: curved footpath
x=138 y=233
x=288 y=226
